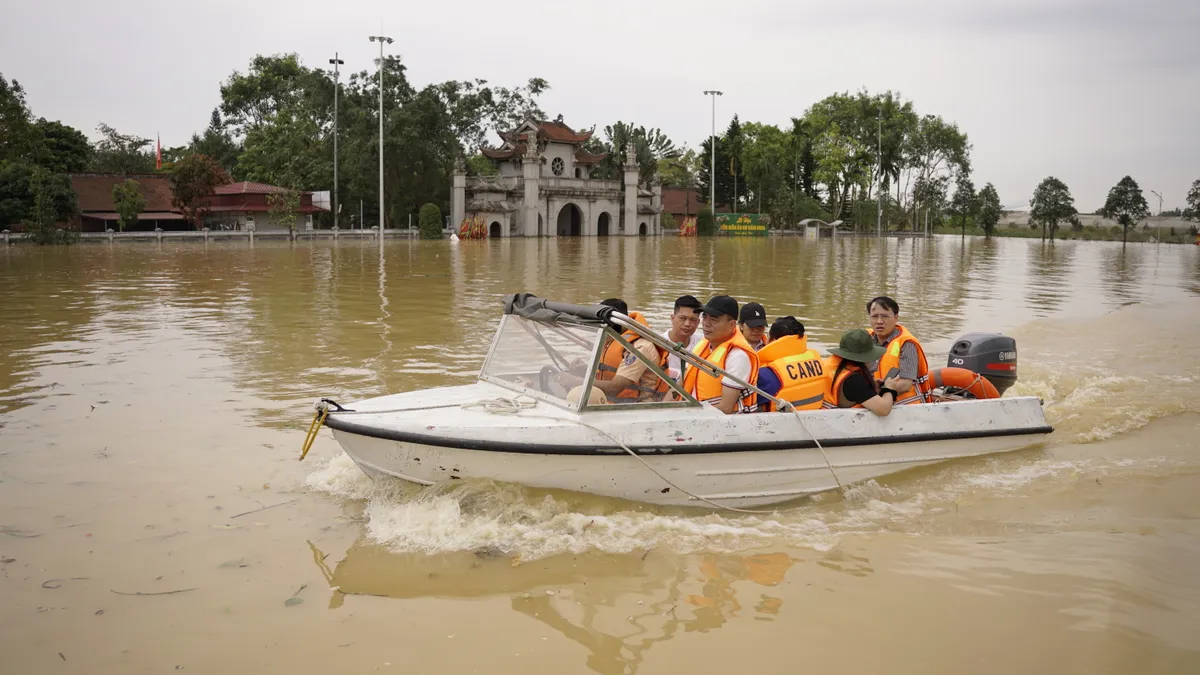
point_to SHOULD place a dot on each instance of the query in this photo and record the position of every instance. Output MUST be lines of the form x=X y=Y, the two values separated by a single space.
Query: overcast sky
x=1086 y=90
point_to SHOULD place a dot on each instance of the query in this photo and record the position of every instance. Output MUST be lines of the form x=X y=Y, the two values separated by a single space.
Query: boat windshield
x=526 y=356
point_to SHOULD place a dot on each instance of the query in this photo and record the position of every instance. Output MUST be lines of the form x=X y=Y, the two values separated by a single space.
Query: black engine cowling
x=992 y=355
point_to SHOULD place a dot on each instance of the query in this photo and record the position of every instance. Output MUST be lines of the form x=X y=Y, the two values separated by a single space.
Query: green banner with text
x=743 y=224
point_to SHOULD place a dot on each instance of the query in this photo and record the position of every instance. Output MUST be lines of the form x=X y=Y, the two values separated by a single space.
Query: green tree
x=990 y=210
x=679 y=171
x=1126 y=204
x=284 y=207
x=121 y=153
x=16 y=193
x=706 y=225
x=963 y=203
x=129 y=202
x=792 y=206
x=193 y=180
x=1192 y=212
x=1052 y=203
x=478 y=165
x=668 y=221
x=16 y=134
x=767 y=153
x=53 y=203
x=431 y=222
x=61 y=149
x=216 y=143
x=650 y=147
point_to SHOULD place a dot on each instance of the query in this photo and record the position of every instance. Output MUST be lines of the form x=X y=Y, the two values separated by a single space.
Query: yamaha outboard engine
x=992 y=355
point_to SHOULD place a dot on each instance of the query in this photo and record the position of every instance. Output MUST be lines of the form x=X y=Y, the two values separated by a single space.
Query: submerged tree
x=1126 y=204
x=963 y=203
x=1052 y=204
x=989 y=209
x=1192 y=212
x=129 y=202
x=193 y=180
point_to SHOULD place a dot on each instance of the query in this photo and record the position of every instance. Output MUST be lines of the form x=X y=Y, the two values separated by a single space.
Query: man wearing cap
x=725 y=347
x=752 y=323
x=853 y=383
x=685 y=320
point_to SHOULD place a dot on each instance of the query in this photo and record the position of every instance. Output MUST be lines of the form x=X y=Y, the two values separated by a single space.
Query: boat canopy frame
x=612 y=324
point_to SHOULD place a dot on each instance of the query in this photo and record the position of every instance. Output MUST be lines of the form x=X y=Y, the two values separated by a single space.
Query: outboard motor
x=992 y=355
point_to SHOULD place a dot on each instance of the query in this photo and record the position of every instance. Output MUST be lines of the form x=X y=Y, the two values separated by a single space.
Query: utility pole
x=712 y=172
x=336 y=62
x=1156 y=194
x=381 y=39
x=879 y=190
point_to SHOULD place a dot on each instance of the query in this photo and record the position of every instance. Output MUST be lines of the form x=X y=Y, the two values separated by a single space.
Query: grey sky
x=1085 y=90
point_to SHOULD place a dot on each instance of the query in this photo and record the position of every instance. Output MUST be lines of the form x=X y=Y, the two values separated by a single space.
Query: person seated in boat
x=903 y=356
x=752 y=323
x=725 y=347
x=685 y=320
x=852 y=383
x=789 y=369
x=622 y=376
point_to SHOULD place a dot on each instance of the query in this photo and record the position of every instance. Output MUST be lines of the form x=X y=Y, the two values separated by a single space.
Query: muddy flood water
x=154 y=517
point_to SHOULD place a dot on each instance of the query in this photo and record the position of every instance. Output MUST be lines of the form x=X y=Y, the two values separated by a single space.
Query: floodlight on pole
x=712 y=172
x=335 y=62
x=381 y=39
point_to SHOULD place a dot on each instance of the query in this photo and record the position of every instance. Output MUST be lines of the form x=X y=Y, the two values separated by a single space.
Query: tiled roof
x=248 y=188
x=94 y=191
x=502 y=153
x=549 y=130
x=557 y=131
x=586 y=158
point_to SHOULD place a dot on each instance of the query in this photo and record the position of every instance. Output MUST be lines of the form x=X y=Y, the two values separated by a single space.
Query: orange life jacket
x=615 y=353
x=800 y=370
x=705 y=387
x=889 y=365
x=833 y=395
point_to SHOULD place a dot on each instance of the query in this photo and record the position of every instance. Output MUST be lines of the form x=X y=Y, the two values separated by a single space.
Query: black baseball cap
x=753 y=315
x=721 y=305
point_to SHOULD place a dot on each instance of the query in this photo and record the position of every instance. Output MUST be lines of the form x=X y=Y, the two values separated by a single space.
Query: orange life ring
x=967 y=380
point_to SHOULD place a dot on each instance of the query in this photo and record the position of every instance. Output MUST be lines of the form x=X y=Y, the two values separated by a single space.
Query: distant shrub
x=431 y=222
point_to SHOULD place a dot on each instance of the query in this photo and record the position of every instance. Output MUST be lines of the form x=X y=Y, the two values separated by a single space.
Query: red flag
x=158 y=155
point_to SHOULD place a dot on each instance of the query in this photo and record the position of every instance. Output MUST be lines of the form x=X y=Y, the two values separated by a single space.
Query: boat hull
x=737 y=479
x=737 y=461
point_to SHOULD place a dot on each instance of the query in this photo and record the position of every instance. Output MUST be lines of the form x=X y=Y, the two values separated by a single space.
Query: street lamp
x=335 y=61
x=381 y=39
x=712 y=172
x=1156 y=194
x=879 y=190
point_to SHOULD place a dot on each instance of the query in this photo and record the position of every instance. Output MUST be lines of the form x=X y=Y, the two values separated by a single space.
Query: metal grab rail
x=645 y=333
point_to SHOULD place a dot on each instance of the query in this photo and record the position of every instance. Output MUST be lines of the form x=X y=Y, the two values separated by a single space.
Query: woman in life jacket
x=853 y=383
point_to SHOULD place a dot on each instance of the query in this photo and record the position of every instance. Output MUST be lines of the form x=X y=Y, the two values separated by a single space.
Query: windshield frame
x=599 y=339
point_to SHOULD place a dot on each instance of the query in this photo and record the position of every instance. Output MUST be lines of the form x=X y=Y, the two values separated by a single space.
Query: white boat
x=517 y=424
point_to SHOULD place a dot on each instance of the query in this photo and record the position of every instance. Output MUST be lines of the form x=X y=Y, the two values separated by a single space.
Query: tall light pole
x=879 y=190
x=1156 y=194
x=336 y=62
x=712 y=172
x=381 y=39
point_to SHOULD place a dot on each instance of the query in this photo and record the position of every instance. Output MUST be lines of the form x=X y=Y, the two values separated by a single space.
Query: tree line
x=845 y=158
